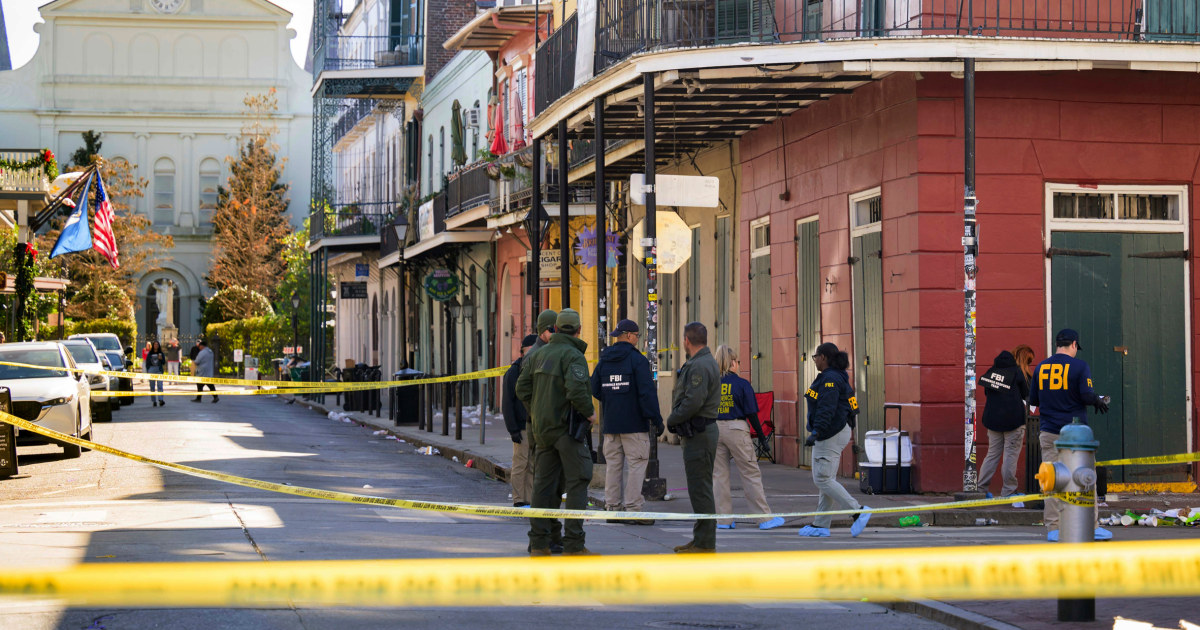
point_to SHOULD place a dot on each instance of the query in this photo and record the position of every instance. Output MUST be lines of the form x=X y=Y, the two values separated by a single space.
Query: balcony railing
x=359 y=52
x=514 y=191
x=351 y=219
x=468 y=188
x=29 y=181
x=626 y=27
x=358 y=109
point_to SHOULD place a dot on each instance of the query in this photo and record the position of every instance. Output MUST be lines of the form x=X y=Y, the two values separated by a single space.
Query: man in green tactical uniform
x=545 y=329
x=694 y=406
x=554 y=384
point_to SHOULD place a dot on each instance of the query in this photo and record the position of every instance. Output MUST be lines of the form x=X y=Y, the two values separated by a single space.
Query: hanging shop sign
x=551 y=267
x=441 y=285
x=585 y=248
x=354 y=290
x=362 y=271
x=425 y=221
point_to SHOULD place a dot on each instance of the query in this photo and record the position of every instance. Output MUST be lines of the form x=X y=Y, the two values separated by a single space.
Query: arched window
x=163 y=213
x=210 y=178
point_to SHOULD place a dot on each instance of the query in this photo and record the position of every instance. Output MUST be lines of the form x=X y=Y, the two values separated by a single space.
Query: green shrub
x=261 y=337
x=125 y=329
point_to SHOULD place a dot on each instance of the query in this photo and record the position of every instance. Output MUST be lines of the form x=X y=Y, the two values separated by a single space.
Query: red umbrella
x=499 y=145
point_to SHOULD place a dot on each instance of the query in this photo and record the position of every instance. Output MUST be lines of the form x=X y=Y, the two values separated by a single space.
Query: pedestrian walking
x=1006 y=391
x=516 y=418
x=695 y=401
x=172 y=351
x=737 y=413
x=1062 y=391
x=831 y=410
x=629 y=419
x=205 y=365
x=554 y=387
x=154 y=363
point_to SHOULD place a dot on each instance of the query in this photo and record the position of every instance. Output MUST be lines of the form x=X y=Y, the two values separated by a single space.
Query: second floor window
x=163 y=212
x=210 y=177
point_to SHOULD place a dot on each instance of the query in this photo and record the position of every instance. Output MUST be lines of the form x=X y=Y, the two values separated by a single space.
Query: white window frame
x=854 y=200
x=765 y=250
x=1178 y=226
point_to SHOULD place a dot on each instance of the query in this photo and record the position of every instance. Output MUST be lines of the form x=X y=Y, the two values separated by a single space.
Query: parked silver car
x=55 y=399
x=87 y=358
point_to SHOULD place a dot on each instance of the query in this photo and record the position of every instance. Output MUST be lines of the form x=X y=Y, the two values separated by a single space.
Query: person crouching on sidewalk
x=737 y=412
x=831 y=405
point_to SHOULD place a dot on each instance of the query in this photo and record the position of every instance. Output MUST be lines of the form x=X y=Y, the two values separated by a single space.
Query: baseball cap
x=529 y=340
x=568 y=321
x=545 y=320
x=625 y=326
x=1065 y=337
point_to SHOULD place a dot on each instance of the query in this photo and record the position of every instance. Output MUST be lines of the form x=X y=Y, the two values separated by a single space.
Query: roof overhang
x=355 y=243
x=493 y=28
x=381 y=83
x=465 y=219
x=445 y=238
x=389 y=260
x=509 y=219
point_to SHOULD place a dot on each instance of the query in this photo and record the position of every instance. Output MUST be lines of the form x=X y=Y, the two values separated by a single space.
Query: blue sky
x=21 y=15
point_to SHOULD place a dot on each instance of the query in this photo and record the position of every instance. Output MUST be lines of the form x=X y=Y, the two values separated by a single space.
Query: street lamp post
x=295 y=323
x=400 y=225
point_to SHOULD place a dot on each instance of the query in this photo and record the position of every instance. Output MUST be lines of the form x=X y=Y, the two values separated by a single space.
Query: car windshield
x=115 y=358
x=106 y=343
x=48 y=357
x=82 y=353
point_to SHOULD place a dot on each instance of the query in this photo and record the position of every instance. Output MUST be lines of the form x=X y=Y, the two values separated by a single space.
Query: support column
x=601 y=231
x=970 y=272
x=535 y=230
x=564 y=244
x=402 y=314
x=654 y=487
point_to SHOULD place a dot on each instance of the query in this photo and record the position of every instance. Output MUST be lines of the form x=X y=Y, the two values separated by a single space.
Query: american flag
x=103 y=239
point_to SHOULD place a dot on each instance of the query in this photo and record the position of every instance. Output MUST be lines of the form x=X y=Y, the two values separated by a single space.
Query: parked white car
x=87 y=358
x=55 y=399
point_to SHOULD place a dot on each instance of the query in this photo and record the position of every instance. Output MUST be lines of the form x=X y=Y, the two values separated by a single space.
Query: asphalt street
x=100 y=508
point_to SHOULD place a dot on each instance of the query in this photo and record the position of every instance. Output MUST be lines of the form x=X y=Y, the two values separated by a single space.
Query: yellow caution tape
x=493 y=510
x=324 y=386
x=1116 y=570
x=1153 y=460
x=219 y=392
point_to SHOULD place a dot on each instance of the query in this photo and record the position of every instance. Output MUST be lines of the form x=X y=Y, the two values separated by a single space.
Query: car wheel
x=103 y=409
x=71 y=450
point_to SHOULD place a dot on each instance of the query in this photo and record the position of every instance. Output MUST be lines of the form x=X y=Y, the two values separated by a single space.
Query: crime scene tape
x=219 y=392
x=1111 y=570
x=506 y=511
x=324 y=386
x=1153 y=460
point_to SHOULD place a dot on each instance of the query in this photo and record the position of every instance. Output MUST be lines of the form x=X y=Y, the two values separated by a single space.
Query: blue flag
x=76 y=236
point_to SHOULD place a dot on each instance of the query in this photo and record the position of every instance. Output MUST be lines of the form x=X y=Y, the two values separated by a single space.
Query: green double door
x=1124 y=293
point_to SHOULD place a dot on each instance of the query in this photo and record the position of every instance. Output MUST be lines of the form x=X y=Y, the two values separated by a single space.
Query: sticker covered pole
x=970 y=243
x=654 y=487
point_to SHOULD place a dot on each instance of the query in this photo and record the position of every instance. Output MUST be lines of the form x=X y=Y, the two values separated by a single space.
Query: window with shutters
x=163 y=212
x=522 y=77
x=210 y=178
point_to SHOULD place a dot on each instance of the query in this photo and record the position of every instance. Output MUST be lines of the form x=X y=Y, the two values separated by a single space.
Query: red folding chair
x=766 y=408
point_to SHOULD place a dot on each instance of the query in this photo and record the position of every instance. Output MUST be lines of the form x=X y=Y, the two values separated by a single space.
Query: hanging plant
x=44 y=161
x=27 y=294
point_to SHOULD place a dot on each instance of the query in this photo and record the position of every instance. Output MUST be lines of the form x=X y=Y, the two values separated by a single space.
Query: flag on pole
x=75 y=235
x=105 y=241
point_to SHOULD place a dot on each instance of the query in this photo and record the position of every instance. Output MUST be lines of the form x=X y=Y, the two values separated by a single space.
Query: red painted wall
x=905 y=135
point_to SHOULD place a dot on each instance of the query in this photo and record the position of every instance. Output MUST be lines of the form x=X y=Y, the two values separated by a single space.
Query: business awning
x=445 y=238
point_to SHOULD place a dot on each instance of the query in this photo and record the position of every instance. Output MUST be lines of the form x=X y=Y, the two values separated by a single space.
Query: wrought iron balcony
x=468 y=188
x=627 y=27
x=350 y=219
x=359 y=52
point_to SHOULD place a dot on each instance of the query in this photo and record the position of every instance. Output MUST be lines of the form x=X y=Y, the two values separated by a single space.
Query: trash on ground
x=428 y=450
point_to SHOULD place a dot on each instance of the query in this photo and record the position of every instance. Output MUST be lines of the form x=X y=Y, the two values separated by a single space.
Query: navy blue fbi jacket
x=1062 y=386
x=623 y=385
x=737 y=398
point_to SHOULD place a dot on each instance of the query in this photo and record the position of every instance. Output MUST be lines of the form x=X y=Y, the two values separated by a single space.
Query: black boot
x=216 y=398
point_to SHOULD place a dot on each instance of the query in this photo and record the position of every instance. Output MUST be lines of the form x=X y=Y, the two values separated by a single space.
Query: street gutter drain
x=701 y=625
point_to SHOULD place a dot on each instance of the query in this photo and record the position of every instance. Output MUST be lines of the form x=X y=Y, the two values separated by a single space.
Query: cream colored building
x=164 y=80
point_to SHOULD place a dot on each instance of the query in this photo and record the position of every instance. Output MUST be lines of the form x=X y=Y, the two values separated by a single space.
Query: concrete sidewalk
x=787 y=489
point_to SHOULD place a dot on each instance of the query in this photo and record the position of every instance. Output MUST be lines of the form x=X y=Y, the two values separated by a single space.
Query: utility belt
x=692 y=427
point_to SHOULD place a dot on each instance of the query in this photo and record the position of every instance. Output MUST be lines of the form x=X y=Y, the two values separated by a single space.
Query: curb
x=948 y=615
x=482 y=463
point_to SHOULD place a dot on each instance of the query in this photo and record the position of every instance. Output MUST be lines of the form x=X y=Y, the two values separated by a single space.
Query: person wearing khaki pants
x=516 y=418
x=629 y=408
x=738 y=411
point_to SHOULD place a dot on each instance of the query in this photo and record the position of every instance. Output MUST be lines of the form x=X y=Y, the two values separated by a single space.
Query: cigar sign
x=441 y=285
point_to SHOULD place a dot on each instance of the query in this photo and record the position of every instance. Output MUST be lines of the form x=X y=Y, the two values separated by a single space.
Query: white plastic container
x=897 y=442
